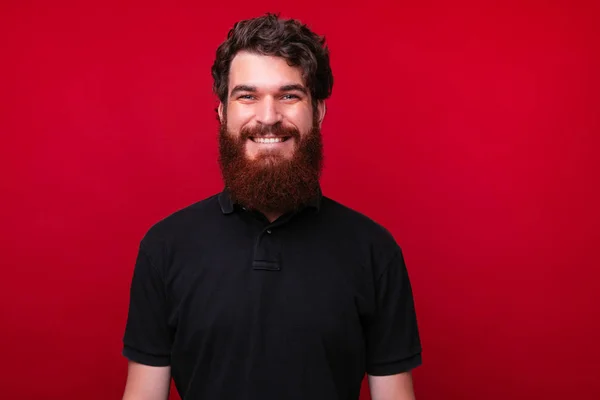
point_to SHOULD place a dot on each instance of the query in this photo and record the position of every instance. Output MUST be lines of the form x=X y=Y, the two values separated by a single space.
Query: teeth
x=268 y=140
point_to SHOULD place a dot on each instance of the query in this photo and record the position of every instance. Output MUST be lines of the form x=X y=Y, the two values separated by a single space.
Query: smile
x=268 y=140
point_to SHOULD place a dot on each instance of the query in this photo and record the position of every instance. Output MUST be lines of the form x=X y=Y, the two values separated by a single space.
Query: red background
x=470 y=131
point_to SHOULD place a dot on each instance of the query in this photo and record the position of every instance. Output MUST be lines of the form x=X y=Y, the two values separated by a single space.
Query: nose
x=267 y=112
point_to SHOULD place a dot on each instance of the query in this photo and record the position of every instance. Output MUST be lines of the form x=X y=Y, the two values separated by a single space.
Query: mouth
x=270 y=140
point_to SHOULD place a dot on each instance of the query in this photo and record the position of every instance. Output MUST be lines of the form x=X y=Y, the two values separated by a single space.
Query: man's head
x=272 y=77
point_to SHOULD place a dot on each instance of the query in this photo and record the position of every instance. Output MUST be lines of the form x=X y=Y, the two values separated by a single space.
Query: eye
x=246 y=97
x=290 y=96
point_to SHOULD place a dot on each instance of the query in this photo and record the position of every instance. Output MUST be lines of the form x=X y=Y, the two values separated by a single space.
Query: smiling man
x=270 y=141
x=269 y=289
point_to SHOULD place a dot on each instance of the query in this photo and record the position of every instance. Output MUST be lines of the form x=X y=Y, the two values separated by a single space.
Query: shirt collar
x=228 y=206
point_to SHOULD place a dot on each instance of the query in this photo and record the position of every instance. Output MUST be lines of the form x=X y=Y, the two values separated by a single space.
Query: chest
x=277 y=294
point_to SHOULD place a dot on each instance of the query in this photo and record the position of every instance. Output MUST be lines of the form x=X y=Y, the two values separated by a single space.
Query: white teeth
x=268 y=140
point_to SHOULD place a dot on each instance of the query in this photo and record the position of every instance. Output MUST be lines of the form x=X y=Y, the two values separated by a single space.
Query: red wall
x=471 y=132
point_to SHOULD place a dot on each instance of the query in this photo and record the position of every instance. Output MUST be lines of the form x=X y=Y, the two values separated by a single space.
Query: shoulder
x=182 y=223
x=359 y=228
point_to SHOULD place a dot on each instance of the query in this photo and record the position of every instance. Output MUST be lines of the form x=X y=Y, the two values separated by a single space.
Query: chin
x=269 y=158
x=269 y=155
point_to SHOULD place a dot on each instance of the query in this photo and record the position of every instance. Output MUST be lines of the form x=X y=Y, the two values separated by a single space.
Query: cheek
x=302 y=118
x=237 y=117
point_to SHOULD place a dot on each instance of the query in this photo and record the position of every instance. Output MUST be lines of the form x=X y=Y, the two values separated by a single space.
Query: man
x=270 y=290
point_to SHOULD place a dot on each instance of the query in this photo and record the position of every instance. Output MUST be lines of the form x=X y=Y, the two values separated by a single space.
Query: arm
x=392 y=387
x=393 y=342
x=147 y=383
x=147 y=339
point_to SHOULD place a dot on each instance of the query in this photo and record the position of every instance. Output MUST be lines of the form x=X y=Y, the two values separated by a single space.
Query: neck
x=272 y=215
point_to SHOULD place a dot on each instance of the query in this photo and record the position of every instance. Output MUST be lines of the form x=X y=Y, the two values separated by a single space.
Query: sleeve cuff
x=395 y=367
x=144 y=358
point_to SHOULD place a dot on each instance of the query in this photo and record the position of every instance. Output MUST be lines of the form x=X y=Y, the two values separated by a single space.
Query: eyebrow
x=293 y=87
x=284 y=88
x=242 y=88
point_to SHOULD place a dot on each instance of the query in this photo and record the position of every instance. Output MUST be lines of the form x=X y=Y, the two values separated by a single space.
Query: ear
x=220 y=110
x=321 y=110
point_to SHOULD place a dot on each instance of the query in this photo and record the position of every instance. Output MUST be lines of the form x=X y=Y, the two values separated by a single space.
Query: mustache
x=277 y=129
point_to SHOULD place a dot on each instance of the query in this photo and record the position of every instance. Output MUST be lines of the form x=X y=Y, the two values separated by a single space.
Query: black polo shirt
x=300 y=308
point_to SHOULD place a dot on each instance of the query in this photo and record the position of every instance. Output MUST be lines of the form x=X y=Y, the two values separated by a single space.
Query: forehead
x=264 y=72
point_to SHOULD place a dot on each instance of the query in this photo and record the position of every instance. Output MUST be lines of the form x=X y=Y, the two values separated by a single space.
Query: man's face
x=270 y=148
x=267 y=103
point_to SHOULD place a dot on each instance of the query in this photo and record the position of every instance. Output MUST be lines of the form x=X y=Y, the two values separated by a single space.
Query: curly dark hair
x=273 y=36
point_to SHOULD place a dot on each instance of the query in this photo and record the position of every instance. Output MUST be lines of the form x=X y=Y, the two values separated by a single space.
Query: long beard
x=270 y=182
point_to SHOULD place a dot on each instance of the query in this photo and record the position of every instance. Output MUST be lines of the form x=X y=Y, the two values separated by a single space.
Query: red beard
x=270 y=182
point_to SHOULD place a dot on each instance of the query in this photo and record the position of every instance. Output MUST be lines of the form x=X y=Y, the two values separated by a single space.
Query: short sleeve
x=393 y=343
x=147 y=338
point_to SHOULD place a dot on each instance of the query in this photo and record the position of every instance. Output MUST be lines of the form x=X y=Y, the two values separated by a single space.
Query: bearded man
x=270 y=290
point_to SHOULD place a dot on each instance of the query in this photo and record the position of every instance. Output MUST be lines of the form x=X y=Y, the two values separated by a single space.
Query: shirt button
x=269 y=231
